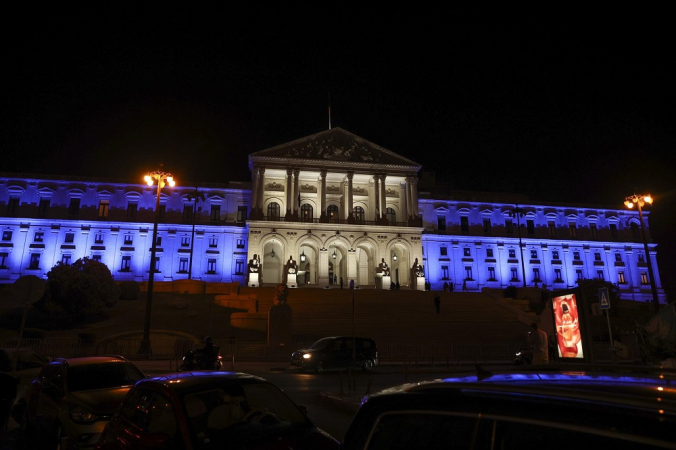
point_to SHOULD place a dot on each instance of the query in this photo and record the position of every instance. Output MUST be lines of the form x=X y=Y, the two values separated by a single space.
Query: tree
x=590 y=291
x=81 y=289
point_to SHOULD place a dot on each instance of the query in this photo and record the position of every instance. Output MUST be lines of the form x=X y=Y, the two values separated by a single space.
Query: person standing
x=539 y=343
x=341 y=282
x=437 y=303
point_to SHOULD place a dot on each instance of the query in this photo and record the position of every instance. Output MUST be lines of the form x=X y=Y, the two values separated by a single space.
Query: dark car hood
x=100 y=400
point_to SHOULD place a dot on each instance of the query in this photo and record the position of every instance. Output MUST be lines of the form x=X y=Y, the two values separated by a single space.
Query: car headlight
x=81 y=414
x=307 y=356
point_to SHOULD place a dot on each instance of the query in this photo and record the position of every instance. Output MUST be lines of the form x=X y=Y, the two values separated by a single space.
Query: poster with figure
x=567 y=323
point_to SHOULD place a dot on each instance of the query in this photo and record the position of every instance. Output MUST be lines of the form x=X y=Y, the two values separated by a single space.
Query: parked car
x=71 y=400
x=336 y=353
x=29 y=363
x=541 y=408
x=203 y=410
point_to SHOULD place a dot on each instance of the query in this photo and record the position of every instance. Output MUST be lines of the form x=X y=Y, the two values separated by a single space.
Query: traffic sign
x=604 y=298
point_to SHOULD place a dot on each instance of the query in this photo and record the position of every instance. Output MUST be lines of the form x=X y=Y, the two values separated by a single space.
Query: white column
x=289 y=191
x=296 y=191
x=376 y=181
x=350 y=175
x=322 y=201
x=323 y=267
x=383 y=199
x=402 y=202
x=414 y=197
x=261 y=188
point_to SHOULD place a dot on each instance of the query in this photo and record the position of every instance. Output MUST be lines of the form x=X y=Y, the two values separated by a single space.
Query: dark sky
x=574 y=106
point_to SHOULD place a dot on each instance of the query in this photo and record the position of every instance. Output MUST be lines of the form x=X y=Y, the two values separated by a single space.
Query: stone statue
x=254 y=264
x=418 y=269
x=291 y=265
x=383 y=268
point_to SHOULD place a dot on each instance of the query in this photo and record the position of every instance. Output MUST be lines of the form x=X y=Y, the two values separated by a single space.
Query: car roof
x=197 y=379
x=83 y=360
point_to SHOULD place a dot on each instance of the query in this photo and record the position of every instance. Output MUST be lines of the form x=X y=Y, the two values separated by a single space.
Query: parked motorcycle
x=197 y=360
x=523 y=356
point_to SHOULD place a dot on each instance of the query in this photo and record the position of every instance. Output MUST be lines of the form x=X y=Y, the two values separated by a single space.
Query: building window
x=464 y=224
x=593 y=229
x=468 y=273
x=332 y=212
x=44 y=206
x=515 y=274
x=34 y=261
x=536 y=274
x=636 y=232
x=599 y=274
x=211 y=266
x=185 y=241
x=187 y=213
x=126 y=263
x=96 y=258
x=157 y=264
x=491 y=274
x=103 y=208
x=579 y=275
x=128 y=239
x=132 y=209
x=444 y=272
x=530 y=225
x=98 y=238
x=509 y=226
x=65 y=258
x=597 y=256
x=3 y=260
x=644 y=278
x=443 y=251
x=613 y=230
x=489 y=252
x=39 y=236
x=620 y=277
x=512 y=253
x=239 y=267
x=12 y=205
x=391 y=215
x=441 y=223
x=213 y=242
x=488 y=228
x=70 y=238
x=618 y=257
x=555 y=254
x=273 y=211
x=183 y=265
x=74 y=207
x=158 y=241
x=552 y=228
x=359 y=214
x=240 y=243
x=557 y=276
x=466 y=251
x=641 y=257
x=241 y=214
x=215 y=213
x=306 y=213
x=533 y=254
x=7 y=235
x=576 y=256
x=573 y=229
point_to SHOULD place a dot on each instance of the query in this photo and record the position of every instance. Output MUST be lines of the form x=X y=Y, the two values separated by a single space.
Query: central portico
x=339 y=206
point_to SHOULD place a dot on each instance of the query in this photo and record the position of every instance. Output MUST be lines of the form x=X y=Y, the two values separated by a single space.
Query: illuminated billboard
x=567 y=321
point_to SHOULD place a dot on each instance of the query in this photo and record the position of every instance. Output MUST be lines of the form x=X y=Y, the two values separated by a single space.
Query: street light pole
x=519 y=213
x=640 y=201
x=161 y=178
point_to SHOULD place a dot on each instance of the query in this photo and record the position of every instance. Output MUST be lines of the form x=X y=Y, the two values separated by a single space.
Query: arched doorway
x=272 y=262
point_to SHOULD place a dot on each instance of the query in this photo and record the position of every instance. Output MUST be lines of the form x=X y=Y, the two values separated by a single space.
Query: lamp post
x=161 y=178
x=193 y=196
x=640 y=201
x=519 y=213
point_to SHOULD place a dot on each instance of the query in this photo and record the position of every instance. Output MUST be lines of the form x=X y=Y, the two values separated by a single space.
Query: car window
x=152 y=413
x=321 y=344
x=265 y=395
x=100 y=376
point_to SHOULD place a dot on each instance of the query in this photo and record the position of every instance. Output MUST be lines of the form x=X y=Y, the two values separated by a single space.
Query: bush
x=509 y=292
x=129 y=290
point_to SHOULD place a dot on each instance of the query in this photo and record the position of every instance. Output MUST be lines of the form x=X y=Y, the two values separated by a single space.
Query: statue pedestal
x=280 y=320
x=386 y=280
x=420 y=283
x=291 y=280
x=253 y=280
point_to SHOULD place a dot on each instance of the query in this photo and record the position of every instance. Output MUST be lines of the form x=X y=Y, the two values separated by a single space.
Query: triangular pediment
x=334 y=146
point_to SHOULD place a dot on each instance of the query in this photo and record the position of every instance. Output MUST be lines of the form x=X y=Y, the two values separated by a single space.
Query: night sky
x=574 y=106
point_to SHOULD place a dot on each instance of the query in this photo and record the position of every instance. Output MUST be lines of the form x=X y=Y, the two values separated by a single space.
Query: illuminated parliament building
x=332 y=205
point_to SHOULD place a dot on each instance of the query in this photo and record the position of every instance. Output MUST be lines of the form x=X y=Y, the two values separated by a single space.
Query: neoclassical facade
x=323 y=208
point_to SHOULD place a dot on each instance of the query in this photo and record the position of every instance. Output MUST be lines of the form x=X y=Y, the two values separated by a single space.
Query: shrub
x=509 y=292
x=129 y=290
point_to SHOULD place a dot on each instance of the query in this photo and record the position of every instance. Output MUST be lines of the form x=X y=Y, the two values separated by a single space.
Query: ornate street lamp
x=519 y=213
x=302 y=256
x=162 y=179
x=640 y=201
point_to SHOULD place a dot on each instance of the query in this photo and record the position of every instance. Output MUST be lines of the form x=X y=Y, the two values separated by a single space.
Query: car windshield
x=320 y=344
x=101 y=376
x=245 y=415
